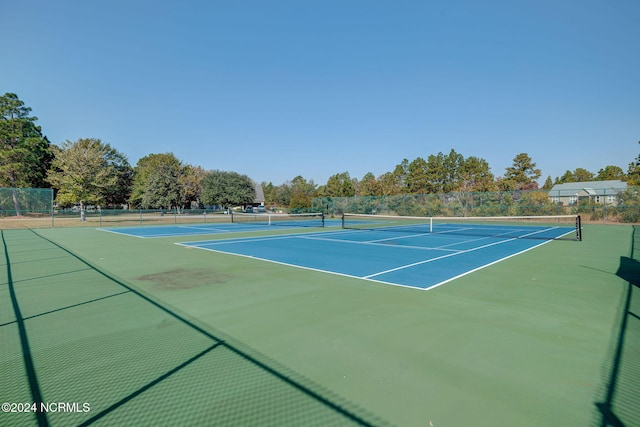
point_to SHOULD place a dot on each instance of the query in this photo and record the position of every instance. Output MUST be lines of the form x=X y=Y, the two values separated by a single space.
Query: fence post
x=604 y=207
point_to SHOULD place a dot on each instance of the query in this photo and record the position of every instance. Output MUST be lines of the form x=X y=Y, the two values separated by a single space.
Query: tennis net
x=287 y=220
x=556 y=227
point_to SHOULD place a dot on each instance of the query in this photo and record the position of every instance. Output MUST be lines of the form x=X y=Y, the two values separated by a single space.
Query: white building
x=601 y=192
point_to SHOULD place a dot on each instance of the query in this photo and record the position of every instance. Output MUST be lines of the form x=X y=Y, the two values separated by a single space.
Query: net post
x=431 y=224
x=322 y=218
x=343 y=220
x=578 y=228
x=231 y=214
x=52 y=205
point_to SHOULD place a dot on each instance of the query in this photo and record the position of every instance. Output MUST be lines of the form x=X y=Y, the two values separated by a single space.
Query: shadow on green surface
x=619 y=407
x=277 y=395
x=36 y=395
x=146 y=387
x=67 y=307
x=629 y=270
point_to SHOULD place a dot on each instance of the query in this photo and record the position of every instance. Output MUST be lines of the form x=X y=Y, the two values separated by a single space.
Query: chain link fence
x=609 y=206
x=35 y=208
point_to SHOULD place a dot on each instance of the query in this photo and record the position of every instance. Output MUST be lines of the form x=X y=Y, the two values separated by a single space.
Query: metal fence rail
x=35 y=208
x=614 y=205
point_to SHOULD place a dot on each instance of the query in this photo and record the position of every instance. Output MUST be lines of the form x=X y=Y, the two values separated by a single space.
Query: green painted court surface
x=151 y=333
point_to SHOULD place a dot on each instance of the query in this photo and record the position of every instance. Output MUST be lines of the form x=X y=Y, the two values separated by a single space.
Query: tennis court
x=239 y=223
x=396 y=251
x=148 y=331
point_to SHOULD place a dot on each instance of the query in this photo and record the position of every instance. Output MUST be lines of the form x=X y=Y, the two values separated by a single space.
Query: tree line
x=91 y=172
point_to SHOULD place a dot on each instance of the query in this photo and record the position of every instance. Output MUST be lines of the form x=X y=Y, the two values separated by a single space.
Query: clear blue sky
x=279 y=88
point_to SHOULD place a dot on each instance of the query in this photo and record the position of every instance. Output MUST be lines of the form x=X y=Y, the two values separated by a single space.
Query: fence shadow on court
x=619 y=407
x=167 y=368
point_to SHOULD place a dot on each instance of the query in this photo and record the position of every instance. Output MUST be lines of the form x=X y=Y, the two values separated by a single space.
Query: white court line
x=210 y=230
x=303 y=267
x=398 y=238
x=457 y=253
x=120 y=233
x=198 y=243
x=174 y=234
x=374 y=243
x=486 y=265
x=370 y=277
x=149 y=236
x=202 y=227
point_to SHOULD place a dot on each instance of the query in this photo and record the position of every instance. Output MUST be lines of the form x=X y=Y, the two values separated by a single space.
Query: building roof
x=259 y=194
x=592 y=188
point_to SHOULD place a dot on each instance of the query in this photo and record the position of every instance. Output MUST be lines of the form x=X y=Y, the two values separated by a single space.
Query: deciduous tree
x=282 y=194
x=163 y=189
x=190 y=182
x=143 y=171
x=388 y=184
x=368 y=185
x=227 y=189
x=88 y=171
x=302 y=193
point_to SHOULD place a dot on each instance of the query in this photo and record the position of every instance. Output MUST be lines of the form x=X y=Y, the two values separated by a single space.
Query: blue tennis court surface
x=150 y=231
x=415 y=260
